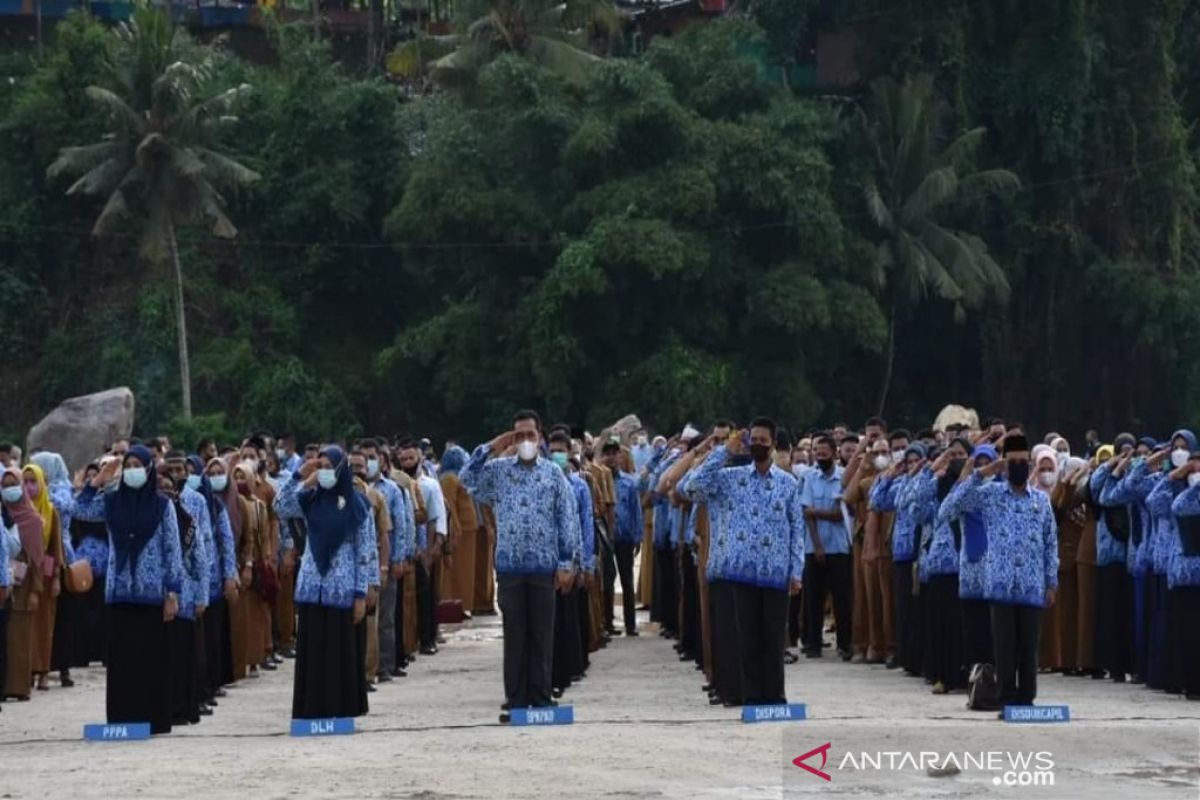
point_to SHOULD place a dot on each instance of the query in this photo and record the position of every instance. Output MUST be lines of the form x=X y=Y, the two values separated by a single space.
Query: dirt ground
x=643 y=729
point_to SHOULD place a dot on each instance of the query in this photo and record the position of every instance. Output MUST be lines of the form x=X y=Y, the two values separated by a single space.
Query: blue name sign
x=116 y=732
x=1037 y=714
x=553 y=715
x=776 y=713
x=333 y=726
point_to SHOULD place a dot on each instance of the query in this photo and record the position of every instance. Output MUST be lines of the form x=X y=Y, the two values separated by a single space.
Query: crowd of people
x=962 y=556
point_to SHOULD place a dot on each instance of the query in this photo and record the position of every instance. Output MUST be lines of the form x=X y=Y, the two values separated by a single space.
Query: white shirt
x=435 y=503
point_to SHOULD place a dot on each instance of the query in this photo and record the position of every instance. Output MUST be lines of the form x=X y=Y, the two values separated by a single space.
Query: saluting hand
x=993 y=469
x=502 y=442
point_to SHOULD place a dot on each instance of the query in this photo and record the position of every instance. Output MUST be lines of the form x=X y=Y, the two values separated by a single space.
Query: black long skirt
x=69 y=625
x=92 y=640
x=584 y=605
x=218 y=655
x=565 y=662
x=943 y=656
x=185 y=702
x=138 y=678
x=331 y=677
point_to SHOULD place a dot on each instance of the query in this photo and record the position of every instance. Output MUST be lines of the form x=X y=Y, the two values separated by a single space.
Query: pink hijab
x=28 y=521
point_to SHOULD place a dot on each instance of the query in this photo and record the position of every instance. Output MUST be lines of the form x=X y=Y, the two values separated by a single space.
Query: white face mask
x=12 y=494
x=281 y=454
x=641 y=441
x=134 y=477
x=251 y=464
x=1179 y=457
x=1193 y=478
x=219 y=483
x=798 y=470
x=897 y=456
x=1048 y=479
x=372 y=467
x=882 y=462
x=527 y=450
x=327 y=478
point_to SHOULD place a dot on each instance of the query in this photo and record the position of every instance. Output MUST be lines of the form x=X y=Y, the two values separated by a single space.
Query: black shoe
x=731 y=704
x=706 y=687
x=275 y=659
x=715 y=700
x=505 y=717
x=632 y=633
x=812 y=653
x=557 y=691
x=845 y=655
x=1119 y=678
x=428 y=650
x=205 y=711
x=399 y=673
x=220 y=693
x=269 y=666
x=1000 y=714
x=66 y=681
x=441 y=640
x=611 y=631
x=383 y=677
x=892 y=663
x=371 y=688
x=287 y=652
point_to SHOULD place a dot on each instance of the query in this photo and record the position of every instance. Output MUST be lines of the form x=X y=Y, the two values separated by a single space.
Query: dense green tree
x=160 y=163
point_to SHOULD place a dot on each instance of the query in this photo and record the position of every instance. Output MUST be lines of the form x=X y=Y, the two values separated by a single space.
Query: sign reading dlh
x=116 y=732
x=333 y=726
x=553 y=715
x=1037 y=714
x=774 y=713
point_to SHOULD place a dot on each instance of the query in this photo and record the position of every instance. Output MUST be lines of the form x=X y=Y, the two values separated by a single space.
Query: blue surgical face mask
x=193 y=482
x=12 y=494
x=134 y=477
x=327 y=478
x=560 y=458
x=219 y=482
x=372 y=467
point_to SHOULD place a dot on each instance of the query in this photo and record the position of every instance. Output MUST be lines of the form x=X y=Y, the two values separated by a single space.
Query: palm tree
x=916 y=180
x=553 y=33
x=158 y=164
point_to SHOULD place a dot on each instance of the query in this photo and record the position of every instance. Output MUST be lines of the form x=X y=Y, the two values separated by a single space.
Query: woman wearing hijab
x=463 y=530
x=331 y=587
x=222 y=586
x=89 y=540
x=5 y=589
x=976 y=617
x=145 y=577
x=238 y=512
x=258 y=575
x=944 y=661
x=28 y=582
x=52 y=561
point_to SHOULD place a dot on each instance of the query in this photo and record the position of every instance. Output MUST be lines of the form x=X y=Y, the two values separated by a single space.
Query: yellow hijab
x=1103 y=453
x=41 y=503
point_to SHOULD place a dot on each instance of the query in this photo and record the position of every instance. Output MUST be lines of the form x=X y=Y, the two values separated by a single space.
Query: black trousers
x=833 y=577
x=609 y=554
x=527 y=603
x=943 y=648
x=583 y=606
x=3 y=644
x=218 y=657
x=1114 y=620
x=727 y=668
x=796 y=632
x=1015 y=632
x=1187 y=605
x=624 y=559
x=761 y=627
x=689 y=582
x=426 y=605
x=566 y=663
x=666 y=596
x=904 y=623
x=977 y=633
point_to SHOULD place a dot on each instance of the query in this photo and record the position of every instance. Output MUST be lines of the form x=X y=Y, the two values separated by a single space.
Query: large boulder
x=81 y=427
x=956 y=415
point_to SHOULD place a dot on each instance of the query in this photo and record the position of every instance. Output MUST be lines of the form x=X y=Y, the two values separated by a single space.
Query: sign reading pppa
x=1037 y=714
x=552 y=715
x=333 y=726
x=775 y=713
x=117 y=732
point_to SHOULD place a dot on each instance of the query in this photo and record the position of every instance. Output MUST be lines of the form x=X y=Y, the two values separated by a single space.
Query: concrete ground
x=643 y=729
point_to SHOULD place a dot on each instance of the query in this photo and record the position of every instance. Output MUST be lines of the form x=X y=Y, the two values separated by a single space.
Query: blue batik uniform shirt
x=533 y=506
x=762 y=535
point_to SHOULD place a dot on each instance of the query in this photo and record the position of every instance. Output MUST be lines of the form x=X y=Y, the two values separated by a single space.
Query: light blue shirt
x=823 y=492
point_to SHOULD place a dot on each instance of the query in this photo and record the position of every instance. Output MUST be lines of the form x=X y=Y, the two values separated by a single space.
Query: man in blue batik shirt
x=763 y=552
x=628 y=534
x=537 y=547
x=1021 y=565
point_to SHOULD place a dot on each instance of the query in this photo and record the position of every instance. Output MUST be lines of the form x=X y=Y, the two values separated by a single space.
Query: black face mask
x=1018 y=473
x=825 y=464
x=956 y=466
x=760 y=452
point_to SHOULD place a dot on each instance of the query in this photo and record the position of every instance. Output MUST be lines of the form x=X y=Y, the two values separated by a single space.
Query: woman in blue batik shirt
x=89 y=540
x=331 y=587
x=145 y=577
